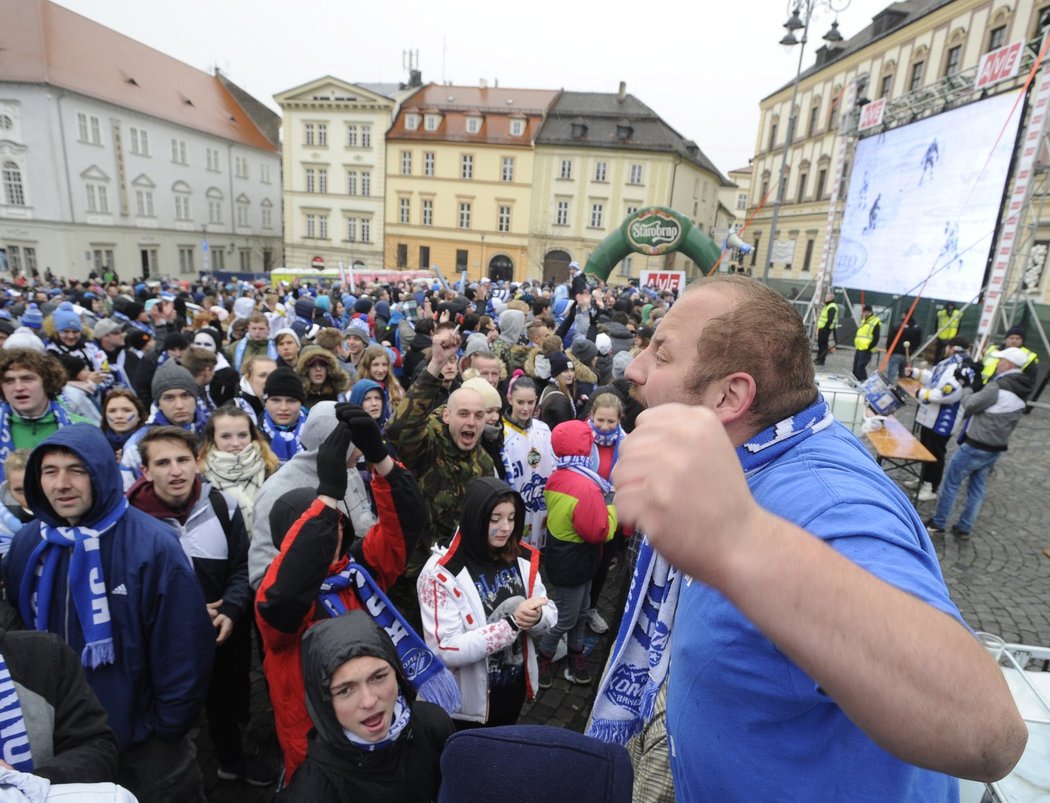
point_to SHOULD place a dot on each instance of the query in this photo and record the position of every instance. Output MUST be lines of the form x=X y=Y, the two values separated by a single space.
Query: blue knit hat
x=33 y=317
x=65 y=317
x=358 y=329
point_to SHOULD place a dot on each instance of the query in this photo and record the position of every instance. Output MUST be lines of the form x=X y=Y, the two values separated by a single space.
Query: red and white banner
x=871 y=114
x=673 y=280
x=998 y=65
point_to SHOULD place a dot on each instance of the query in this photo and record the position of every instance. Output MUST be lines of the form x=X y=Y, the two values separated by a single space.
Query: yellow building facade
x=921 y=58
x=460 y=165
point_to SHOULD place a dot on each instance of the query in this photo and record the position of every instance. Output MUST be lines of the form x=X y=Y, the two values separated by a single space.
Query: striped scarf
x=284 y=441
x=7 y=443
x=639 y=659
x=14 y=738
x=581 y=464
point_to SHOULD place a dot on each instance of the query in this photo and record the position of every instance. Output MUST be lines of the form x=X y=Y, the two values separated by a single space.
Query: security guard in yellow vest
x=865 y=341
x=948 y=320
x=1014 y=339
x=826 y=325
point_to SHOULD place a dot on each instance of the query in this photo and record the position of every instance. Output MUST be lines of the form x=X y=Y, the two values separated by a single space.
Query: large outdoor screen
x=924 y=201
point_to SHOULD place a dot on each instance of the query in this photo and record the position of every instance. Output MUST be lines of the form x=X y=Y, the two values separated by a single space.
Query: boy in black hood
x=372 y=740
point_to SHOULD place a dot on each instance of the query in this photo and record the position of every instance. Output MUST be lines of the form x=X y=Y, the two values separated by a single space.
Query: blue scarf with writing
x=639 y=658
x=86 y=583
x=14 y=739
x=7 y=441
x=424 y=670
x=284 y=441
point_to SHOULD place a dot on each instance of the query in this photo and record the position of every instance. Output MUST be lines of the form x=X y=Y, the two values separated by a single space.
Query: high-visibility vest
x=948 y=325
x=990 y=363
x=865 y=331
x=822 y=321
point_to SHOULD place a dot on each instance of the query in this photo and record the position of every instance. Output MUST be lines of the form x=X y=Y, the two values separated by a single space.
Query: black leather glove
x=331 y=463
x=365 y=433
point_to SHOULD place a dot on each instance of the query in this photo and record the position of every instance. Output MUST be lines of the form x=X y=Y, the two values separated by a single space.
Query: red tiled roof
x=41 y=42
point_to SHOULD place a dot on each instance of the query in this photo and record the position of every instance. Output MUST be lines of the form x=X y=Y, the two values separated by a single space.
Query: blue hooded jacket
x=162 y=634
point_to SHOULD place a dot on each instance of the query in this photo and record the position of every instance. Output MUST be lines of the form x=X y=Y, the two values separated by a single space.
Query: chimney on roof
x=483 y=83
x=622 y=94
x=415 y=79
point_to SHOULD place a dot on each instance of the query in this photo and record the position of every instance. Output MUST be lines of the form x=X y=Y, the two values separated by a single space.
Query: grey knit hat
x=172 y=376
x=584 y=350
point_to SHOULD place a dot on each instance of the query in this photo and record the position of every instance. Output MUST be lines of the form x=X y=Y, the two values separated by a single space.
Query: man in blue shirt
x=815 y=652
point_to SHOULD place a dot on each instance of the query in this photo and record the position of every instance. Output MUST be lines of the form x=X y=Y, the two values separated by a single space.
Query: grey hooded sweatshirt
x=301 y=472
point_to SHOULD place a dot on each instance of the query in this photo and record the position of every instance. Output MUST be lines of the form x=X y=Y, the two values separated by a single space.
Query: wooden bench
x=898 y=448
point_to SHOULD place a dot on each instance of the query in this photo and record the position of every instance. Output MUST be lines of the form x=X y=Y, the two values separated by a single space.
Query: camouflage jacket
x=513 y=356
x=425 y=446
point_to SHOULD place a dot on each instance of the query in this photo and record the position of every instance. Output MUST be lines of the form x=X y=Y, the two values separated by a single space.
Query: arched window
x=14 y=194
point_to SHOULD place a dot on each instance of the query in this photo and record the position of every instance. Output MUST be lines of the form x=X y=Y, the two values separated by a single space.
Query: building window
x=322 y=226
x=466 y=166
x=630 y=211
x=625 y=266
x=178 y=151
x=82 y=127
x=808 y=258
x=186 y=259
x=428 y=163
x=351 y=229
x=366 y=230
x=14 y=194
x=245 y=257
x=833 y=118
x=311 y=179
x=772 y=136
x=916 y=76
x=600 y=170
x=212 y=160
x=182 y=207
x=404 y=206
x=517 y=128
x=814 y=117
x=30 y=255
x=322 y=133
x=507 y=169
x=802 y=178
x=351 y=136
x=431 y=122
x=886 y=86
x=267 y=215
x=561 y=216
x=427 y=214
x=351 y=182
x=218 y=259
x=503 y=219
x=411 y=122
x=322 y=180
x=97 y=198
x=954 y=57
x=366 y=182
x=144 y=203
x=462 y=257
x=214 y=211
x=402 y=255
x=597 y=212
x=424 y=256
x=636 y=175
x=996 y=38
x=406 y=163
x=311 y=226
x=366 y=136
x=473 y=125
x=464 y=214
x=822 y=179
x=264 y=174
x=566 y=169
x=741 y=200
x=242 y=214
x=241 y=165
x=308 y=134
x=139 y=140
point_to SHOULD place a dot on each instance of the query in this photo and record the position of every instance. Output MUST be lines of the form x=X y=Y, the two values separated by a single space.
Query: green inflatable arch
x=653 y=230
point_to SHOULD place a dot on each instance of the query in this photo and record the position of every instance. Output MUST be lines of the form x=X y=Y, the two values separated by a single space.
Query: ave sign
x=998 y=65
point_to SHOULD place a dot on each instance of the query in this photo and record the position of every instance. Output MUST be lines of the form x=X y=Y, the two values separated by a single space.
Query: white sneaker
x=926 y=493
x=911 y=484
x=596 y=623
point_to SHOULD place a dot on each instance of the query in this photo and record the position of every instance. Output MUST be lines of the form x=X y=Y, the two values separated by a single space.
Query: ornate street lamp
x=801 y=14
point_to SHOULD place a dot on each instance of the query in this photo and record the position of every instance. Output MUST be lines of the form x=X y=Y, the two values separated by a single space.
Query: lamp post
x=799 y=20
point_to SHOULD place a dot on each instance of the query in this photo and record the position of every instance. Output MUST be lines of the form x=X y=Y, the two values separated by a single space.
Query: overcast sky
x=702 y=65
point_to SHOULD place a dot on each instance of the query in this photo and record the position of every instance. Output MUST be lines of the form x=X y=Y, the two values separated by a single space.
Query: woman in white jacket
x=483 y=603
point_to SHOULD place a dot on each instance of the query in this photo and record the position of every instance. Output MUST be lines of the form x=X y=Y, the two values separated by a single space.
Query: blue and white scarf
x=7 y=442
x=284 y=441
x=14 y=738
x=639 y=658
x=142 y=327
x=86 y=583
x=402 y=713
x=424 y=670
x=581 y=464
x=158 y=419
x=242 y=346
x=613 y=438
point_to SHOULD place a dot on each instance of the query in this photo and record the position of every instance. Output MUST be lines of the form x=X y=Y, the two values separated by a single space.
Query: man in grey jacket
x=992 y=413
